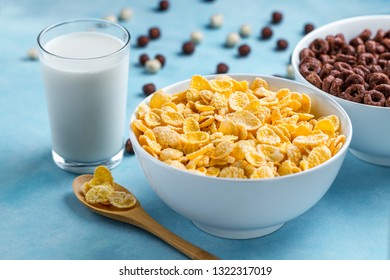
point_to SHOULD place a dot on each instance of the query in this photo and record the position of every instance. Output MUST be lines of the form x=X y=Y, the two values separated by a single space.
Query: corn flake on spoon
x=137 y=216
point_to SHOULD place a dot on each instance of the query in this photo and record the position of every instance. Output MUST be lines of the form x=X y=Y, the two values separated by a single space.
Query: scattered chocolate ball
x=277 y=17
x=281 y=44
x=188 y=47
x=129 y=147
x=148 y=89
x=153 y=66
x=308 y=28
x=142 y=41
x=160 y=58
x=143 y=58
x=154 y=33
x=266 y=33
x=163 y=5
x=244 y=50
x=222 y=68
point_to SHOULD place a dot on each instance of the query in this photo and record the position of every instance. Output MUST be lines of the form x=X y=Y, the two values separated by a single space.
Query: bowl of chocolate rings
x=349 y=60
x=240 y=155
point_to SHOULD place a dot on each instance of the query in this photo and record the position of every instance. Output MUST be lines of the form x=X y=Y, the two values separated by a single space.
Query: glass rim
x=101 y=21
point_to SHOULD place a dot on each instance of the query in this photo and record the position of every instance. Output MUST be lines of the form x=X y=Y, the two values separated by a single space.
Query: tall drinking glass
x=85 y=66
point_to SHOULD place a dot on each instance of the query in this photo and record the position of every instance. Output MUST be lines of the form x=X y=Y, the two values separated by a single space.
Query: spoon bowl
x=137 y=216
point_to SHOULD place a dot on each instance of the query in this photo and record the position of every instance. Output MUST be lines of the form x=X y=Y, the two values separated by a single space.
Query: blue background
x=41 y=219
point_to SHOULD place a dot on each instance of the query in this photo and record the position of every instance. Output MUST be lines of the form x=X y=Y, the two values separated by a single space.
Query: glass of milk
x=85 y=66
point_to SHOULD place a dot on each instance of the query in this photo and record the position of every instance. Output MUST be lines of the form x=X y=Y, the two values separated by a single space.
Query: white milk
x=86 y=96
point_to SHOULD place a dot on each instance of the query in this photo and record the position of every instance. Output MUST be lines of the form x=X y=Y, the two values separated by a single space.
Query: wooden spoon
x=138 y=217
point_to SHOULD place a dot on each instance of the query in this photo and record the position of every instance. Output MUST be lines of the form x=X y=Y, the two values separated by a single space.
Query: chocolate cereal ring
x=319 y=46
x=306 y=52
x=378 y=79
x=350 y=59
x=314 y=79
x=384 y=88
x=365 y=34
x=380 y=34
x=375 y=98
x=355 y=93
x=366 y=59
x=325 y=58
x=325 y=70
x=376 y=69
x=387 y=103
x=336 y=88
x=353 y=79
x=348 y=50
x=357 y=41
x=344 y=75
x=370 y=46
x=386 y=42
x=327 y=82
x=342 y=66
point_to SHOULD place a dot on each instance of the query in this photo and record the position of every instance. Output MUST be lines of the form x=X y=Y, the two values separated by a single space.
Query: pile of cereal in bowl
x=233 y=129
x=357 y=70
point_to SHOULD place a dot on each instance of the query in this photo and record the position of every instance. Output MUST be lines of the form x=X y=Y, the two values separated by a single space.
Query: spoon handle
x=141 y=219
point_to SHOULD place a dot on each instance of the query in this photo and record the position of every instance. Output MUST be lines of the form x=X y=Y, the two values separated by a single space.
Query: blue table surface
x=40 y=218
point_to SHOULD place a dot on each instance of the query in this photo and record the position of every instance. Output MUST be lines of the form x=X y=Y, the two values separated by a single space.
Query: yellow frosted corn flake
x=139 y=125
x=318 y=155
x=263 y=171
x=91 y=183
x=293 y=153
x=238 y=101
x=232 y=172
x=167 y=137
x=219 y=101
x=150 y=151
x=334 y=119
x=288 y=167
x=245 y=118
x=228 y=127
x=103 y=174
x=192 y=137
x=192 y=95
x=170 y=153
x=335 y=144
x=179 y=97
x=146 y=141
x=169 y=106
x=242 y=132
x=272 y=153
x=305 y=104
x=310 y=140
x=204 y=162
x=191 y=125
x=158 y=99
x=326 y=126
x=142 y=110
x=303 y=165
x=172 y=118
x=176 y=163
x=290 y=120
x=152 y=119
x=199 y=83
x=213 y=171
x=239 y=85
x=149 y=133
x=281 y=133
x=254 y=158
x=302 y=130
x=222 y=150
x=269 y=101
x=205 y=121
x=99 y=194
x=275 y=115
x=202 y=108
x=121 y=199
x=259 y=83
x=206 y=96
x=223 y=86
x=202 y=151
x=283 y=94
x=254 y=107
x=304 y=116
x=265 y=135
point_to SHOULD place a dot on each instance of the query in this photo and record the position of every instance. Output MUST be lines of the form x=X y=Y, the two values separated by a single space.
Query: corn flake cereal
x=101 y=190
x=235 y=129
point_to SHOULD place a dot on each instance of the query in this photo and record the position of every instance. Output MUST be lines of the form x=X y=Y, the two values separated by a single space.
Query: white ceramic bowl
x=245 y=208
x=371 y=124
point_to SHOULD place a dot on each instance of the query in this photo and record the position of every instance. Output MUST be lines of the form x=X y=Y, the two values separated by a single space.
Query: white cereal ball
x=216 y=20
x=245 y=30
x=126 y=14
x=232 y=39
x=112 y=18
x=153 y=66
x=32 y=54
x=197 y=37
x=290 y=71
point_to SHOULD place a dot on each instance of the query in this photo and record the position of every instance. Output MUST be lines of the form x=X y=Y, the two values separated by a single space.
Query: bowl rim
x=299 y=46
x=339 y=154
